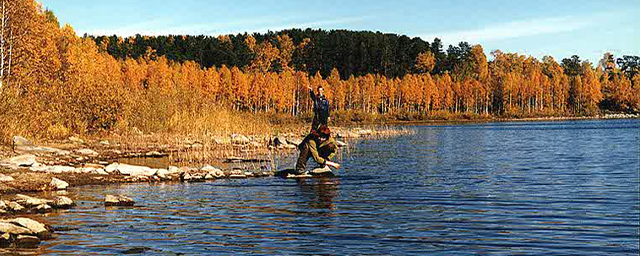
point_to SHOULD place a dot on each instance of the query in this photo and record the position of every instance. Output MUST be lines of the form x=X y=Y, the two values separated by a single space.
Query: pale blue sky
x=559 y=28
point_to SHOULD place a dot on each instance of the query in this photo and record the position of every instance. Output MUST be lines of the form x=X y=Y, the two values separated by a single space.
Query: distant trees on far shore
x=55 y=82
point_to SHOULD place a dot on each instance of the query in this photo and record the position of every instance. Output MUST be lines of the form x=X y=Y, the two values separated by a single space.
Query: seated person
x=319 y=145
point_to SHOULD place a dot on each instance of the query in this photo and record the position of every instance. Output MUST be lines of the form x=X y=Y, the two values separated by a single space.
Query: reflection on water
x=504 y=188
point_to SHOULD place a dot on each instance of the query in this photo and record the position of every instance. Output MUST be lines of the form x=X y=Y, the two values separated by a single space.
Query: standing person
x=320 y=146
x=320 y=108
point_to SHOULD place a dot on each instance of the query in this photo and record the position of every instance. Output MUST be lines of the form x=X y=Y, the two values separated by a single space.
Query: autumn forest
x=55 y=83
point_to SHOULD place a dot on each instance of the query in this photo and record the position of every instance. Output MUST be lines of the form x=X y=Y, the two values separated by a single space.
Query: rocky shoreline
x=28 y=167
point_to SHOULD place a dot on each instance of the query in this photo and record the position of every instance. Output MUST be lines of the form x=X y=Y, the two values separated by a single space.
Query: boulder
x=239 y=139
x=59 y=184
x=87 y=152
x=21 y=141
x=131 y=170
x=111 y=200
x=53 y=169
x=26 y=160
x=36 y=228
x=9 y=228
x=5 y=178
x=30 y=201
x=43 y=208
x=23 y=241
x=62 y=202
x=14 y=207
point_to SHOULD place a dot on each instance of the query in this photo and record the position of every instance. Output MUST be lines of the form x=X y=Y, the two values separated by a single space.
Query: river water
x=521 y=188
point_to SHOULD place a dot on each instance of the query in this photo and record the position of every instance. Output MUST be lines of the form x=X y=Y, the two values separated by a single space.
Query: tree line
x=54 y=82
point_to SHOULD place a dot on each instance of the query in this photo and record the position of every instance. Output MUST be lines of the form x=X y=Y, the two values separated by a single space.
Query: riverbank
x=30 y=167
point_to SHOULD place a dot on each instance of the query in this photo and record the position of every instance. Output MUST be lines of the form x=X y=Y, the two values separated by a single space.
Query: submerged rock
x=111 y=200
x=24 y=241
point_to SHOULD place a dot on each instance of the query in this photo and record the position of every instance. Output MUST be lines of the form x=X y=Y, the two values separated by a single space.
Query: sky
x=559 y=28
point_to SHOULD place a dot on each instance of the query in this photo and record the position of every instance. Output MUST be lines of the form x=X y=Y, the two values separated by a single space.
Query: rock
x=59 y=184
x=154 y=154
x=53 y=169
x=222 y=140
x=5 y=240
x=186 y=176
x=62 y=202
x=22 y=160
x=111 y=200
x=13 y=229
x=41 y=150
x=21 y=141
x=209 y=176
x=104 y=142
x=87 y=152
x=36 y=228
x=217 y=173
x=14 y=207
x=76 y=140
x=43 y=208
x=173 y=169
x=131 y=170
x=23 y=241
x=5 y=178
x=237 y=176
x=341 y=144
x=3 y=205
x=30 y=201
x=239 y=139
x=100 y=172
x=111 y=168
x=208 y=168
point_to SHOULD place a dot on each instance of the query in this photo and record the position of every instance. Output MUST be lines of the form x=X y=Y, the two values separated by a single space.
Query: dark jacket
x=320 y=111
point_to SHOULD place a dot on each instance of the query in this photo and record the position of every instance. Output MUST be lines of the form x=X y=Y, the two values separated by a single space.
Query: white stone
x=111 y=168
x=134 y=170
x=59 y=184
x=35 y=227
x=30 y=201
x=22 y=160
x=87 y=152
x=62 y=202
x=7 y=227
x=5 y=178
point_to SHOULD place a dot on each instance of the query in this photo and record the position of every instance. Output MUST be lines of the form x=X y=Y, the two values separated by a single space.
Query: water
x=497 y=188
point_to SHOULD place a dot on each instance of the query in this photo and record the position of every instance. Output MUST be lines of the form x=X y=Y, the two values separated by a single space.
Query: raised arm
x=313 y=95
